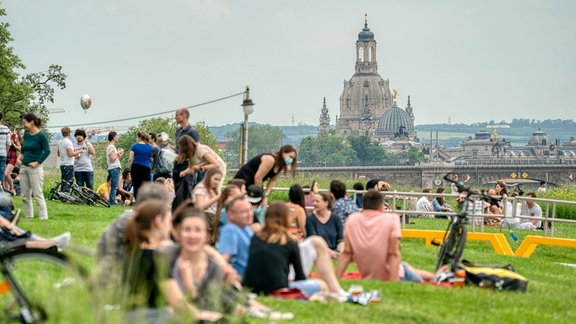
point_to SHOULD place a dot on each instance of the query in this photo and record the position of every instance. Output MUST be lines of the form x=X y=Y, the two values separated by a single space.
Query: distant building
x=324 y=119
x=367 y=106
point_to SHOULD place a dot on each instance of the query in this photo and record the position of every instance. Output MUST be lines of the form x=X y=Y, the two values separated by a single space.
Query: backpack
x=494 y=277
x=165 y=161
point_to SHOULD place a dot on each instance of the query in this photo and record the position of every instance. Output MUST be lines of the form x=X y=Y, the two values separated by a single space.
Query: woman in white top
x=84 y=152
x=207 y=193
x=203 y=158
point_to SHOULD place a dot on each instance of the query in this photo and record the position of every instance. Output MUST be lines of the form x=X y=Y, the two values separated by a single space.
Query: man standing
x=5 y=143
x=372 y=240
x=66 y=154
x=234 y=238
x=182 y=116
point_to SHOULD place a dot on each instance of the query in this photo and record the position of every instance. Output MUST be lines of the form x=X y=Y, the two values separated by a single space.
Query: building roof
x=394 y=118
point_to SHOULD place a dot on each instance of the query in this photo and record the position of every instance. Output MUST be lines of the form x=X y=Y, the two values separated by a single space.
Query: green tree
x=415 y=155
x=326 y=150
x=370 y=152
x=261 y=139
x=30 y=93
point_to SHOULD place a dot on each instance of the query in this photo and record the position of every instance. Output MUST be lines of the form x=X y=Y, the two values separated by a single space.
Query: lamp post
x=248 y=107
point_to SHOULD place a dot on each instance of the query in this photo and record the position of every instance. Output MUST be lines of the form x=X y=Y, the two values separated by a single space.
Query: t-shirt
x=35 y=148
x=235 y=241
x=368 y=233
x=84 y=162
x=200 y=189
x=141 y=276
x=103 y=189
x=142 y=154
x=5 y=140
x=269 y=265
x=201 y=150
x=112 y=165
x=190 y=131
x=424 y=205
x=63 y=147
x=535 y=211
x=331 y=231
x=344 y=207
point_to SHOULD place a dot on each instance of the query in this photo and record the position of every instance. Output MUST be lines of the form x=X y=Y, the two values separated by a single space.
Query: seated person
x=104 y=191
x=440 y=205
x=372 y=240
x=272 y=251
x=343 y=205
x=125 y=188
x=234 y=238
x=424 y=205
x=322 y=223
x=358 y=187
x=493 y=207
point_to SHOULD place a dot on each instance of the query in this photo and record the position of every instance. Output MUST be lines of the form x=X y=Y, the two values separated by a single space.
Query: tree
x=415 y=155
x=370 y=152
x=261 y=139
x=27 y=94
x=326 y=150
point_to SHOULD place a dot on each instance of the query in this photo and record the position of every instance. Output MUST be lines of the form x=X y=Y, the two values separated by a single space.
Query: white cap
x=165 y=136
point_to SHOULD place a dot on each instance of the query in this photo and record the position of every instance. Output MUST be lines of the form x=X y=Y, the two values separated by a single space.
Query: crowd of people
x=193 y=242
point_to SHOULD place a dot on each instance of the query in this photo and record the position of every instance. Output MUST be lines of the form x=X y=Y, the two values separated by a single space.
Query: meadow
x=549 y=298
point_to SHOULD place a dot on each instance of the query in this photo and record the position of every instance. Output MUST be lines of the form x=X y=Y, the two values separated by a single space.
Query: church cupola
x=366 y=50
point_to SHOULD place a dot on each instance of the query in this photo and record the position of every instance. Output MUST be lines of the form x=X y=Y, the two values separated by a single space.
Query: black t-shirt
x=269 y=265
x=141 y=276
x=331 y=232
x=248 y=170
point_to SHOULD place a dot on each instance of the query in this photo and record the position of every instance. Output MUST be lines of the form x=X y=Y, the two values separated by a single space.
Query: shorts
x=308 y=256
x=409 y=275
x=308 y=286
x=12 y=157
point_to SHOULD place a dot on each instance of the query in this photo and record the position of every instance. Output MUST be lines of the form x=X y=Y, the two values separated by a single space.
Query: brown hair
x=276 y=224
x=187 y=148
x=237 y=182
x=145 y=213
x=281 y=164
x=143 y=136
x=372 y=200
x=65 y=131
x=224 y=196
x=326 y=197
x=187 y=210
x=207 y=178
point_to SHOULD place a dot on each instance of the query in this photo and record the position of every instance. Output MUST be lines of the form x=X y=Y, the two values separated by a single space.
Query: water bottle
x=514 y=236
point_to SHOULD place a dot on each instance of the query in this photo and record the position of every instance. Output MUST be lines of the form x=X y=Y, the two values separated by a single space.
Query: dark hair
x=224 y=195
x=237 y=183
x=372 y=200
x=338 y=189
x=2 y=116
x=187 y=148
x=65 y=131
x=80 y=132
x=427 y=190
x=125 y=173
x=276 y=224
x=143 y=136
x=358 y=186
x=296 y=195
x=326 y=197
x=108 y=178
x=504 y=190
x=152 y=136
x=30 y=117
x=440 y=200
x=111 y=136
x=144 y=215
x=531 y=194
x=281 y=164
x=184 y=210
x=207 y=178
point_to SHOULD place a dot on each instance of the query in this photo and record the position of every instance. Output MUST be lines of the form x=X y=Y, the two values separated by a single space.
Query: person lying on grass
x=372 y=240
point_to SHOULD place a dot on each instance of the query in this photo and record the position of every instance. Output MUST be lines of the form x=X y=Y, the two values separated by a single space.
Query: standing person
x=113 y=157
x=163 y=157
x=267 y=167
x=11 y=160
x=34 y=151
x=203 y=158
x=453 y=186
x=139 y=161
x=182 y=116
x=66 y=154
x=84 y=152
x=5 y=144
x=322 y=223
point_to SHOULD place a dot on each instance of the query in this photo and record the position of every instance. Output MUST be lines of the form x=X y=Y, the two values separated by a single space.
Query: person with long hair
x=321 y=222
x=439 y=204
x=139 y=161
x=83 y=169
x=272 y=252
x=221 y=218
x=35 y=150
x=146 y=277
x=125 y=188
x=207 y=193
x=200 y=157
x=11 y=160
x=267 y=167
x=113 y=157
x=297 y=214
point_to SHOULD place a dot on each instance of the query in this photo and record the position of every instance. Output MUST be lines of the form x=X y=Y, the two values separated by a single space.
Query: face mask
x=288 y=160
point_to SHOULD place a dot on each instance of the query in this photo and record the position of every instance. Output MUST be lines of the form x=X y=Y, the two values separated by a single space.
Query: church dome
x=539 y=138
x=366 y=35
x=392 y=120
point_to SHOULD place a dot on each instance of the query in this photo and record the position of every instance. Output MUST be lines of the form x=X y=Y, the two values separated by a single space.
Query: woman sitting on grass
x=272 y=251
x=322 y=223
x=145 y=276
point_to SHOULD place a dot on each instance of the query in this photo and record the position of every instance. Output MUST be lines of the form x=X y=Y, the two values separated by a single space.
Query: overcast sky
x=467 y=60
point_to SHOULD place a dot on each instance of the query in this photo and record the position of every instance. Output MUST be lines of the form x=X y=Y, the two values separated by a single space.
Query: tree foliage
x=30 y=93
x=261 y=139
x=370 y=152
x=415 y=155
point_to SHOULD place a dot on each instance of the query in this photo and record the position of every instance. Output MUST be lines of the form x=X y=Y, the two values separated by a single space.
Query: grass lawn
x=550 y=297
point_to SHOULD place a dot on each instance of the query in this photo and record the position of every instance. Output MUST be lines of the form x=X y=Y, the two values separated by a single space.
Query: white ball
x=85 y=102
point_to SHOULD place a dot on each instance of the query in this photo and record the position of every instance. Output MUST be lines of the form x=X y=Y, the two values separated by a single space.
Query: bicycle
x=452 y=248
x=77 y=195
x=45 y=285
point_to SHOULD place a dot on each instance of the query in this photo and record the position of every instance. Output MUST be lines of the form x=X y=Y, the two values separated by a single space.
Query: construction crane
x=56 y=110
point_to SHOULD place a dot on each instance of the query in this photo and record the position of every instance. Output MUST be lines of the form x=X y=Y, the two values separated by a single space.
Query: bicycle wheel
x=46 y=287
x=80 y=194
x=66 y=197
x=95 y=197
x=453 y=247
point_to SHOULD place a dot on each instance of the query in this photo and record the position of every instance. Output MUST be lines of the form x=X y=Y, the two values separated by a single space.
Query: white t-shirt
x=424 y=205
x=112 y=165
x=535 y=211
x=84 y=162
x=200 y=189
x=63 y=147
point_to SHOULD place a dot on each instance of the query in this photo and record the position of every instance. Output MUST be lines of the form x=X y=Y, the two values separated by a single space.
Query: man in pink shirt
x=372 y=240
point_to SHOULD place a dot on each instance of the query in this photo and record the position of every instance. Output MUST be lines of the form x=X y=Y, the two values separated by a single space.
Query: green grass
x=549 y=298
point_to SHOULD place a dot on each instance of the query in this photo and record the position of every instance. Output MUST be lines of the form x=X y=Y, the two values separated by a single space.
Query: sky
x=466 y=61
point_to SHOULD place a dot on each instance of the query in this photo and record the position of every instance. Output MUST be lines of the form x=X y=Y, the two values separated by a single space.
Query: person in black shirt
x=272 y=251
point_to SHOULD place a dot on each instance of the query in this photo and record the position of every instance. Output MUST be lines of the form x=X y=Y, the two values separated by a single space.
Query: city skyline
x=464 y=61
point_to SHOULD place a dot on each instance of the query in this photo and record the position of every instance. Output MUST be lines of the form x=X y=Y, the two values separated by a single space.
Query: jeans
x=2 y=168
x=115 y=179
x=85 y=179
x=67 y=172
x=409 y=275
x=31 y=182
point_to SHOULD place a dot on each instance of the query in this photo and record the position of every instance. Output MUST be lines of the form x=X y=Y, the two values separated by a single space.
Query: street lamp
x=248 y=107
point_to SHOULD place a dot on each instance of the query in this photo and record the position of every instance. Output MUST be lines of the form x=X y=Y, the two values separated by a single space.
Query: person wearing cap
x=254 y=195
x=267 y=167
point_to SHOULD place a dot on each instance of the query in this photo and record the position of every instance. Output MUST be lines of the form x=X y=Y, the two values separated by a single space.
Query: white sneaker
x=62 y=240
x=341 y=296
